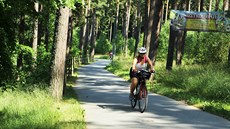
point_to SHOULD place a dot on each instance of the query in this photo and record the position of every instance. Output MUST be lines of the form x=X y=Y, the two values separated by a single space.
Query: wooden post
x=172 y=39
x=180 y=46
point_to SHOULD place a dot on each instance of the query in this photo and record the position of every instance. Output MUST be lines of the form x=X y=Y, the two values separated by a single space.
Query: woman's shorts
x=132 y=73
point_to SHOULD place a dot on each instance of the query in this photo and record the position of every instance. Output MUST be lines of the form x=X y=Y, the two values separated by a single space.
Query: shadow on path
x=104 y=97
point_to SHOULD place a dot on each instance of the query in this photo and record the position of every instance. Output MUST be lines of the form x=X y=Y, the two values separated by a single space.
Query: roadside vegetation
x=204 y=86
x=36 y=108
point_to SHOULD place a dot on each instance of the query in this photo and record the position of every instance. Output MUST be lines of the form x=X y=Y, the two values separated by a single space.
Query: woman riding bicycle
x=140 y=62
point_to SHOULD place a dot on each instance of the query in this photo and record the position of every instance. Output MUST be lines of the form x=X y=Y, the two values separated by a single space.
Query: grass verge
x=37 y=109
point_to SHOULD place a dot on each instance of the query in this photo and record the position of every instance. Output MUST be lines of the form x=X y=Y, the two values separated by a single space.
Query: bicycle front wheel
x=143 y=99
x=134 y=102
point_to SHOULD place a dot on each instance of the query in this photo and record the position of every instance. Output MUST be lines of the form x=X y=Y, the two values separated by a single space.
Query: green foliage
x=37 y=109
x=209 y=81
x=103 y=45
x=7 y=43
x=121 y=69
x=120 y=42
x=27 y=54
x=131 y=45
x=15 y=112
x=163 y=42
x=74 y=52
x=6 y=65
x=42 y=70
x=207 y=47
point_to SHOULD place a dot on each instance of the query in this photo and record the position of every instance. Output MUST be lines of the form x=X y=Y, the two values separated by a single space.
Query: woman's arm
x=150 y=64
x=134 y=64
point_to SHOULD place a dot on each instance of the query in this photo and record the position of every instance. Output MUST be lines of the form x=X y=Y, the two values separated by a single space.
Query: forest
x=41 y=42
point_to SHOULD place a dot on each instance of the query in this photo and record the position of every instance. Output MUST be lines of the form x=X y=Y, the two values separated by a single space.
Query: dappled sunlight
x=104 y=97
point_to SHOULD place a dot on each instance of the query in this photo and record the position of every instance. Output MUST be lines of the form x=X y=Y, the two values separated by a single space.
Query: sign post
x=195 y=21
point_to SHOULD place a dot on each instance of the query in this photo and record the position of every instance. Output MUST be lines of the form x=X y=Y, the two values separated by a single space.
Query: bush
x=207 y=47
x=103 y=45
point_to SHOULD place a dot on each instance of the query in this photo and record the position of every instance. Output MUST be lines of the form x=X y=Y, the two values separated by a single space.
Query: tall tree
x=156 y=30
x=146 y=21
x=210 y=6
x=166 y=11
x=87 y=33
x=226 y=5
x=116 y=26
x=21 y=36
x=93 y=35
x=138 y=26
x=217 y=4
x=126 y=24
x=35 y=35
x=150 y=26
x=188 y=5
x=84 y=13
x=58 y=68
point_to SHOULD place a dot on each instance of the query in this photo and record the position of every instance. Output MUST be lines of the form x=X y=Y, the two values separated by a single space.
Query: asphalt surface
x=104 y=98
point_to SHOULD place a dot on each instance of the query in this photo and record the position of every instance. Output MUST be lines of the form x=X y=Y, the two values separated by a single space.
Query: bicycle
x=141 y=92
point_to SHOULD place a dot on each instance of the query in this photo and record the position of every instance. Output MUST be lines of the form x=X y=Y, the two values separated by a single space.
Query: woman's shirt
x=141 y=63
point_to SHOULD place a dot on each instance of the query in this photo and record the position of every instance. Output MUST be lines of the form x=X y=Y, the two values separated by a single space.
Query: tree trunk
x=150 y=26
x=87 y=34
x=210 y=6
x=68 y=61
x=147 y=15
x=110 y=30
x=201 y=5
x=55 y=30
x=156 y=30
x=47 y=32
x=69 y=44
x=187 y=5
x=93 y=36
x=82 y=38
x=226 y=5
x=58 y=68
x=82 y=33
x=166 y=11
x=21 y=40
x=217 y=5
x=180 y=46
x=35 y=34
x=115 y=27
x=198 y=5
x=138 y=27
x=172 y=39
x=40 y=25
x=126 y=24
x=174 y=4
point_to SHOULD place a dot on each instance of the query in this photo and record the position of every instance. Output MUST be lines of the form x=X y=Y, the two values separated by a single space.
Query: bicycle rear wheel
x=143 y=99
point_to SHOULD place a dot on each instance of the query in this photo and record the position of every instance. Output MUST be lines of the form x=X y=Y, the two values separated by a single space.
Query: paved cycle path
x=104 y=98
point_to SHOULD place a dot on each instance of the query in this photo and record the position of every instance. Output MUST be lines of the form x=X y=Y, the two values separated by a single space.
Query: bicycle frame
x=141 y=94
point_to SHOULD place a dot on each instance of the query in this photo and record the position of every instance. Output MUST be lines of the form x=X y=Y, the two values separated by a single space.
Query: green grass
x=37 y=109
x=102 y=56
x=206 y=87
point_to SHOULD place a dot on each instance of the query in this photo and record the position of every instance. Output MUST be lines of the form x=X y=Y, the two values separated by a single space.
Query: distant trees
x=37 y=46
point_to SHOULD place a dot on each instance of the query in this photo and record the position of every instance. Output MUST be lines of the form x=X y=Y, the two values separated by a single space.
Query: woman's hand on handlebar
x=152 y=71
x=134 y=70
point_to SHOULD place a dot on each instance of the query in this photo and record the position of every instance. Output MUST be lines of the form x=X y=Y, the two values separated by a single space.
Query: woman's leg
x=133 y=85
